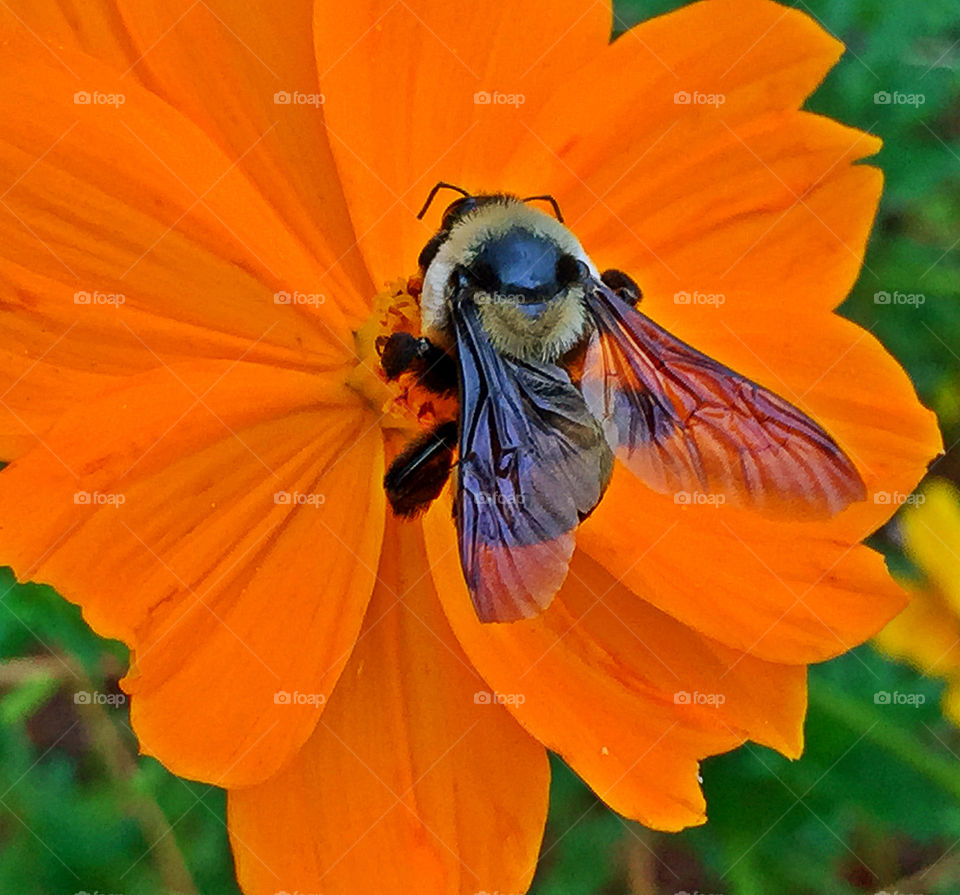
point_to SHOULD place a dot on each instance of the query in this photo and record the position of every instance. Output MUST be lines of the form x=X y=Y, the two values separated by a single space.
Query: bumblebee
x=557 y=374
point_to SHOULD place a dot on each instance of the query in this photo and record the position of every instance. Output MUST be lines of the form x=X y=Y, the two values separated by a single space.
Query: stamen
x=404 y=403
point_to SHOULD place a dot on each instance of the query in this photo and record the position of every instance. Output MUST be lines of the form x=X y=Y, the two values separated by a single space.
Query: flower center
x=403 y=402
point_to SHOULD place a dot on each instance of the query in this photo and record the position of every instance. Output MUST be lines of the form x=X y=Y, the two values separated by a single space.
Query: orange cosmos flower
x=201 y=201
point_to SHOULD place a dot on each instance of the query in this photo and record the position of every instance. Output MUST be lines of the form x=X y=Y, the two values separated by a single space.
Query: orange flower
x=200 y=202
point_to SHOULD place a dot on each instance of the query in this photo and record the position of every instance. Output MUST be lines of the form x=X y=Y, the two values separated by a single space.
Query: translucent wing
x=533 y=462
x=685 y=424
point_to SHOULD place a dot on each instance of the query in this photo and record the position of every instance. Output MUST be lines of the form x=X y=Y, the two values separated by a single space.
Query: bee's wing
x=533 y=462
x=683 y=422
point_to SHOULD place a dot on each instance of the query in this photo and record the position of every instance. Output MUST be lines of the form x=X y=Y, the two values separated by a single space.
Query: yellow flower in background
x=927 y=633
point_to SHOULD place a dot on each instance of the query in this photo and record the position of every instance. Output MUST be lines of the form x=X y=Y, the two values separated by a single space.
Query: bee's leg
x=403 y=352
x=624 y=285
x=398 y=353
x=417 y=475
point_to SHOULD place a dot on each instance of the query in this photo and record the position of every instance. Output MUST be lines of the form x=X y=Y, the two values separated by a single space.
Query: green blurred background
x=873 y=805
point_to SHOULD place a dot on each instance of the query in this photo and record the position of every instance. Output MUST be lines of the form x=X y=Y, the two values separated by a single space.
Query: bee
x=557 y=374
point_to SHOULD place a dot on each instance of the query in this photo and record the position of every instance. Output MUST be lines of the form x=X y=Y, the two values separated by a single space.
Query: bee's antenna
x=440 y=186
x=551 y=200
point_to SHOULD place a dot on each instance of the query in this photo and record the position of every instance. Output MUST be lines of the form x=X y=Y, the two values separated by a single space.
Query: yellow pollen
x=395 y=309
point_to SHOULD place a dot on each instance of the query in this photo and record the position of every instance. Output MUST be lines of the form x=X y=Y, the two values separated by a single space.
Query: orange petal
x=400 y=82
x=559 y=67
x=59 y=32
x=411 y=782
x=708 y=203
x=645 y=648
x=617 y=717
x=762 y=56
x=171 y=482
x=137 y=243
x=222 y=64
x=738 y=213
x=782 y=591
x=718 y=143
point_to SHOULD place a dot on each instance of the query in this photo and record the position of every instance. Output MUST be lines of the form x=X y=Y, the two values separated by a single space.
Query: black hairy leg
x=623 y=285
x=417 y=475
x=406 y=353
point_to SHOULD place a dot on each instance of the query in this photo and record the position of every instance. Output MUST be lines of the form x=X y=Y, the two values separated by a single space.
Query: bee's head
x=522 y=268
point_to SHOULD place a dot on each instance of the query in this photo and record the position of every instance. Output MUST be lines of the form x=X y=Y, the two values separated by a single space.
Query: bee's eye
x=570 y=269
